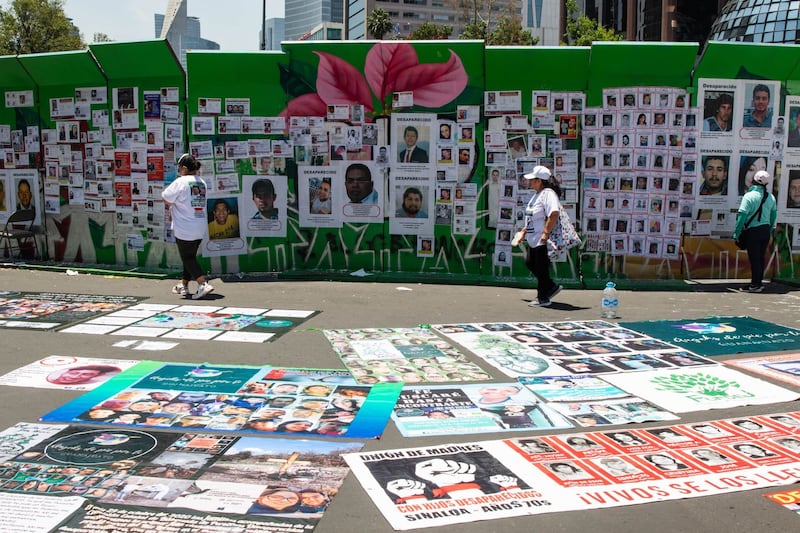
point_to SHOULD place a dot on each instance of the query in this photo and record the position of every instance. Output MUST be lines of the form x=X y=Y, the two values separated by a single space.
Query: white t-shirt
x=540 y=206
x=187 y=194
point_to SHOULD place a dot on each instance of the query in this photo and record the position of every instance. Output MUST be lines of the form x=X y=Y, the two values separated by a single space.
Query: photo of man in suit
x=412 y=153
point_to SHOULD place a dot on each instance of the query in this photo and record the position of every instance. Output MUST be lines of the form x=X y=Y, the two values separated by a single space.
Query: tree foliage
x=378 y=23
x=475 y=30
x=34 y=26
x=583 y=31
x=509 y=32
x=501 y=30
x=101 y=38
x=476 y=11
x=430 y=32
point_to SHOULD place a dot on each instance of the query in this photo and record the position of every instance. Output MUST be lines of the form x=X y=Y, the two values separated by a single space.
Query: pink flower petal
x=307 y=105
x=338 y=82
x=434 y=84
x=386 y=61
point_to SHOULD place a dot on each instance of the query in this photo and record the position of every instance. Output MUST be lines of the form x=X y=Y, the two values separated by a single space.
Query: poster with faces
x=319 y=206
x=736 y=138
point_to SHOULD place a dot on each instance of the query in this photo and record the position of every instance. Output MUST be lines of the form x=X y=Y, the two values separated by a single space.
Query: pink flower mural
x=390 y=67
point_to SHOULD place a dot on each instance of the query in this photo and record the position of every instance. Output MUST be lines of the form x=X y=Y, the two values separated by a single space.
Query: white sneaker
x=181 y=289
x=202 y=291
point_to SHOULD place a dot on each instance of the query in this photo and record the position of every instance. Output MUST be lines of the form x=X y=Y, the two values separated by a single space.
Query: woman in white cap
x=754 y=224
x=541 y=217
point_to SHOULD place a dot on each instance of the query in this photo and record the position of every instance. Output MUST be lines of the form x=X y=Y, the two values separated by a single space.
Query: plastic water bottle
x=610 y=302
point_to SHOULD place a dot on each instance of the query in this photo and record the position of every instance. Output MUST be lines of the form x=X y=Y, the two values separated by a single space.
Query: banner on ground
x=699 y=389
x=784 y=368
x=457 y=483
x=51 y=310
x=66 y=372
x=721 y=335
x=408 y=355
x=560 y=348
x=196 y=322
x=264 y=400
x=278 y=484
x=459 y=409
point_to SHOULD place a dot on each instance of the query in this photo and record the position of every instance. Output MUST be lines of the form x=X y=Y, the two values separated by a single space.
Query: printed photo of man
x=411 y=152
x=264 y=199
x=760 y=114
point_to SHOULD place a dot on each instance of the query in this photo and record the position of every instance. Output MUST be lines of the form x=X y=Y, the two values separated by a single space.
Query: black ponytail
x=552 y=183
x=189 y=161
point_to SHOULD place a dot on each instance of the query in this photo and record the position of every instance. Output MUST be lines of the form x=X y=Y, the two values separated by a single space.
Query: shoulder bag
x=563 y=237
x=741 y=242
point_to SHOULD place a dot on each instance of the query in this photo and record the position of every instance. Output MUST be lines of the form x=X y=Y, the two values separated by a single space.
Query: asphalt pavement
x=364 y=304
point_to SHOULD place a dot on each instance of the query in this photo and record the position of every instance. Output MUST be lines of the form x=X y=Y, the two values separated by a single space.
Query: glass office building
x=301 y=17
x=758 y=21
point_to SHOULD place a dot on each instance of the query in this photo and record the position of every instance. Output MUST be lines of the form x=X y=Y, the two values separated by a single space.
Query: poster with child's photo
x=262 y=205
x=224 y=235
x=424 y=246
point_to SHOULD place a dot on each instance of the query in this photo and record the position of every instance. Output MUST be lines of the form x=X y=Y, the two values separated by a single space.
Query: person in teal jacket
x=755 y=221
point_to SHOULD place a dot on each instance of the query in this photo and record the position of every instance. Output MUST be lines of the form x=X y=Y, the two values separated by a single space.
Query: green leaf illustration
x=695 y=384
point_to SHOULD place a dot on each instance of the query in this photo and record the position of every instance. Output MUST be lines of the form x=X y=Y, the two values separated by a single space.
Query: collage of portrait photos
x=515 y=142
x=787 y=182
x=636 y=172
x=19 y=149
x=416 y=487
x=101 y=157
x=638 y=162
x=343 y=162
x=741 y=133
x=113 y=151
x=83 y=480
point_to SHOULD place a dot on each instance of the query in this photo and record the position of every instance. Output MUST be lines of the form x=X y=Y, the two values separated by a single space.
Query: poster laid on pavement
x=263 y=400
x=559 y=348
x=790 y=499
x=785 y=367
x=591 y=401
x=721 y=335
x=408 y=355
x=51 y=310
x=66 y=372
x=458 y=409
x=699 y=389
x=31 y=513
x=196 y=322
x=466 y=482
x=279 y=484
x=115 y=518
x=23 y=434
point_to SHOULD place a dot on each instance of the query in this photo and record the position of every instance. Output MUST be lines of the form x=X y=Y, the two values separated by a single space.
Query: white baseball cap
x=543 y=173
x=762 y=177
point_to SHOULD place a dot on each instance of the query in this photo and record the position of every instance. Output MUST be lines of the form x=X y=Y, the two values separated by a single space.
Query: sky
x=234 y=24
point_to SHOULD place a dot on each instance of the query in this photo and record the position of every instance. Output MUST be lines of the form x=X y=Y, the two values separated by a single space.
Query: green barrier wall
x=149 y=66
x=72 y=232
x=281 y=83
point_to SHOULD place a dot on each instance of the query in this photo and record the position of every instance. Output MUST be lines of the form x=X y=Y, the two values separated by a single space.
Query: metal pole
x=263 y=24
